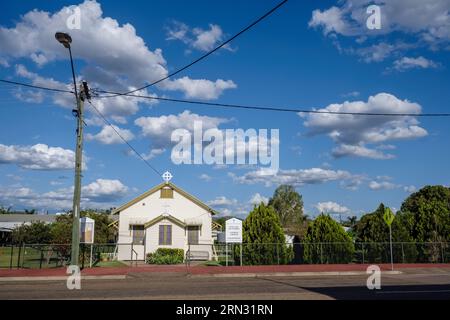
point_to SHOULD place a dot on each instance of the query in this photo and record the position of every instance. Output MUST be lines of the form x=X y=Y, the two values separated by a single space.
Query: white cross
x=167 y=176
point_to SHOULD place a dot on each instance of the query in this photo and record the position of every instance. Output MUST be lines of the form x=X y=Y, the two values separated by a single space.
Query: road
x=412 y=284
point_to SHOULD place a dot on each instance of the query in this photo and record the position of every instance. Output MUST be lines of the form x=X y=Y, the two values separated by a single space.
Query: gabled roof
x=159 y=187
x=162 y=217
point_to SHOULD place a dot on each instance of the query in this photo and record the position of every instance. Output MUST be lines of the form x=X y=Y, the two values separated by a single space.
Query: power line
x=238 y=106
x=123 y=139
x=35 y=87
x=280 y=109
x=268 y=13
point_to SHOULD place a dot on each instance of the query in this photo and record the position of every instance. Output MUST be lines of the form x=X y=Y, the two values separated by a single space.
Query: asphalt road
x=413 y=284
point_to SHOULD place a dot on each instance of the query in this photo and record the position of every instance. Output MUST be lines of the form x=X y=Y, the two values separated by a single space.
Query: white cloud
x=200 y=88
x=109 y=136
x=222 y=201
x=352 y=94
x=292 y=177
x=331 y=20
x=102 y=193
x=159 y=129
x=406 y=63
x=100 y=40
x=331 y=207
x=115 y=57
x=256 y=199
x=382 y=185
x=345 y=150
x=205 y=177
x=424 y=24
x=410 y=189
x=38 y=157
x=352 y=133
x=197 y=38
x=153 y=153
x=431 y=22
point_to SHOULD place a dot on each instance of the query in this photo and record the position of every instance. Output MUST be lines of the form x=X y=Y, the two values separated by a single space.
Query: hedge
x=165 y=256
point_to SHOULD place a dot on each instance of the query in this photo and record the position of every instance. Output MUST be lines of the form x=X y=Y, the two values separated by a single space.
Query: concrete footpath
x=116 y=273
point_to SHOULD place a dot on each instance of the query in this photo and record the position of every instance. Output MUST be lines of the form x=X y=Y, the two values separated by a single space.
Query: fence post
x=40 y=260
x=321 y=254
x=11 y=258
x=362 y=249
x=226 y=253
x=403 y=254
x=18 y=256
x=241 y=254
x=23 y=255
x=278 y=255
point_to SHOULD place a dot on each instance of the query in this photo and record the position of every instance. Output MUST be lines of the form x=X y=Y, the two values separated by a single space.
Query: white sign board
x=87 y=228
x=233 y=231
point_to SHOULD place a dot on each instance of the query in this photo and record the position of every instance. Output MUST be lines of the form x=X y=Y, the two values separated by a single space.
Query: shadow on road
x=388 y=292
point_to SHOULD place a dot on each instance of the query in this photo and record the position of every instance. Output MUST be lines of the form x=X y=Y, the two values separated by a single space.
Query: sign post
x=233 y=234
x=389 y=218
x=87 y=228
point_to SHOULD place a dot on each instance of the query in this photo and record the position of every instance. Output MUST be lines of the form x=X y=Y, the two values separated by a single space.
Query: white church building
x=165 y=217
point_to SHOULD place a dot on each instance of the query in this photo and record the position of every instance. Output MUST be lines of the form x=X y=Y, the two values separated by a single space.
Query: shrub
x=263 y=238
x=165 y=256
x=327 y=242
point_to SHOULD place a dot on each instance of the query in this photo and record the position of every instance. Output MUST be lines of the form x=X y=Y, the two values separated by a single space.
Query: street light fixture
x=66 y=40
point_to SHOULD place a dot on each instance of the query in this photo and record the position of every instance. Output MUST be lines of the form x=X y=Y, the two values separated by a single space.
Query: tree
x=104 y=233
x=288 y=205
x=62 y=227
x=327 y=242
x=32 y=211
x=430 y=220
x=34 y=233
x=263 y=238
x=430 y=207
x=372 y=233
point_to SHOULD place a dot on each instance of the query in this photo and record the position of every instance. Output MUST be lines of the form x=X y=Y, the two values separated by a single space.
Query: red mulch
x=211 y=269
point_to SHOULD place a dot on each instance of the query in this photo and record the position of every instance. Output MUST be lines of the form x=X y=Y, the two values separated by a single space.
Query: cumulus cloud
x=382 y=185
x=293 y=177
x=222 y=201
x=102 y=193
x=407 y=63
x=200 y=88
x=159 y=129
x=331 y=20
x=410 y=189
x=38 y=157
x=331 y=207
x=232 y=207
x=353 y=133
x=108 y=135
x=205 y=177
x=346 y=150
x=115 y=57
x=196 y=38
x=423 y=24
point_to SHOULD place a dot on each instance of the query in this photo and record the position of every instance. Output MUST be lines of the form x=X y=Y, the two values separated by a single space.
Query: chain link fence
x=325 y=253
x=39 y=256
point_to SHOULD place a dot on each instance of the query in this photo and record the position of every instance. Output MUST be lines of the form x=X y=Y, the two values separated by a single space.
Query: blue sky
x=306 y=55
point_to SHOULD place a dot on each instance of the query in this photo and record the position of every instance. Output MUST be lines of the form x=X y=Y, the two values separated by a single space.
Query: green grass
x=110 y=264
x=5 y=256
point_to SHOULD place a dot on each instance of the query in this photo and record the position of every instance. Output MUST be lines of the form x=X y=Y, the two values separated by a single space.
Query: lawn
x=110 y=264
